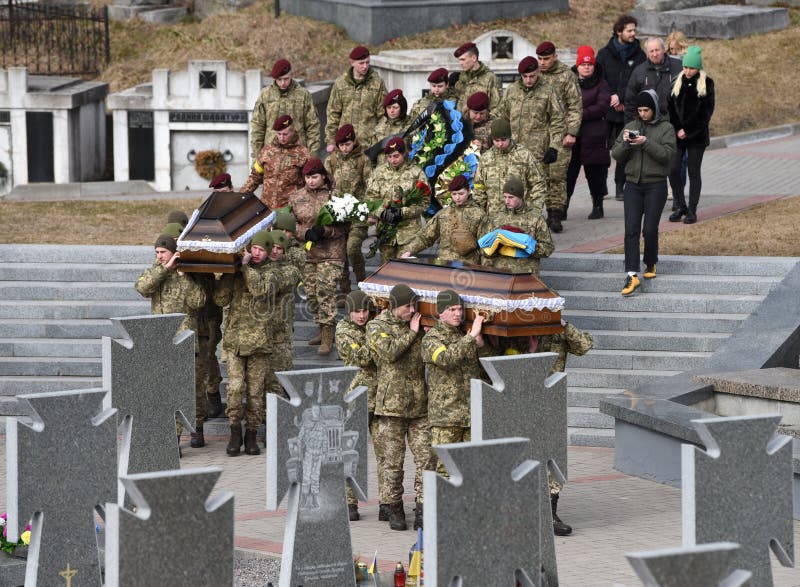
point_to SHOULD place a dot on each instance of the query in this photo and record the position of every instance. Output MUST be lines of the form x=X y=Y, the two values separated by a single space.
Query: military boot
x=352 y=512
x=418 y=516
x=559 y=527
x=317 y=339
x=554 y=220
x=235 y=443
x=215 y=406
x=198 y=440
x=597 y=208
x=180 y=452
x=383 y=512
x=397 y=516
x=250 y=443
x=326 y=340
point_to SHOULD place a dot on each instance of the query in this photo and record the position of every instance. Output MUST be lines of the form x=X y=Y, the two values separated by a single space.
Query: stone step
x=111 y=272
x=94 y=254
x=585 y=417
x=687 y=284
x=664 y=302
x=65 y=290
x=73 y=309
x=15 y=385
x=22 y=328
x=590 y=437
x=589 y=397
x=51 y=366
x=616 y=378
x=640 y=360
x=51 y=347
x=655 y=322
x=658 y=341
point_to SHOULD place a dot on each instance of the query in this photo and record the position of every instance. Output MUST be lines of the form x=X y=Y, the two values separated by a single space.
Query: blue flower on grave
x=449 y=148
x=458 y=137
x=430 y=171
x=439 y=160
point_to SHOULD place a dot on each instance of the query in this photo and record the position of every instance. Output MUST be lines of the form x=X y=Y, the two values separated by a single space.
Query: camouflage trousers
x=556 y=176
x=246 y=375
x=319 y=281
x=279 y=360
x=392 y=435
x=447 y=435
x=200 y=402
x=208 y=355
x=555 y=486
x=357 y=236
x=373 y=432
x=388 y=252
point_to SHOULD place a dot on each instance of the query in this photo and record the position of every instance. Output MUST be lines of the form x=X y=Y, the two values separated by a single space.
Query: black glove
x=550 y=156
x=392 y=215
x=315 y=234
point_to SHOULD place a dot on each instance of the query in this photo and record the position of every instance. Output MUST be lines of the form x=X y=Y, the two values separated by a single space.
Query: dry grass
x=87 y=223
x=753 y=75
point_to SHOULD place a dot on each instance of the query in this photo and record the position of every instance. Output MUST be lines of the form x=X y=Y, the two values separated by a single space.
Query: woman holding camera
x=645 y=147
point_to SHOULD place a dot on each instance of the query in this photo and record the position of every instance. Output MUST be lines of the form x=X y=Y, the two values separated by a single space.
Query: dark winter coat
x=649 y=76
x=592 y=142
x=617 y=72
x=691 y=112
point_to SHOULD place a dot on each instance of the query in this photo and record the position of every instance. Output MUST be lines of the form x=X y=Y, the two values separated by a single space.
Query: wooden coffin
x=515 y=304
x=219 y=230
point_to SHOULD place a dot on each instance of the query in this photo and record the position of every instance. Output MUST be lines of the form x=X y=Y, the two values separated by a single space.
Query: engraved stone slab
x=61 y=468
x=523 y=401
x=151 y=377
x=777 y=383
x=179 y=535
x=316 y=440
x=705 y=565
x=740 y=490
x=480 y=525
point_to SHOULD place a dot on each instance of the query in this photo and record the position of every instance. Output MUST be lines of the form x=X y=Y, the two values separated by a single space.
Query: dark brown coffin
x=472 y=280
x=221 y=219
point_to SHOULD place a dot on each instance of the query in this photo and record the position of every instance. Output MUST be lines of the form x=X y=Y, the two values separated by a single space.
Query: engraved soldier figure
x=313 y=443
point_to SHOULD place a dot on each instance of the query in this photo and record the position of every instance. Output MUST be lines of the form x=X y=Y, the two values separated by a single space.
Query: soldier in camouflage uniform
x=278 y=168
x=451 y=358
x=401 y=402
x=397 y=172
x=520 y=218
x=504 y=159
x=284 y=96
x=481 y=119
x=351 y=342
x=456 y=227
x=326 y=257
x=440 y=91
x=475 y=76
x=174 y=292
x=394 y=121
x=209 y=335
x=295 y=254
x=356 y=98
x=568 y=92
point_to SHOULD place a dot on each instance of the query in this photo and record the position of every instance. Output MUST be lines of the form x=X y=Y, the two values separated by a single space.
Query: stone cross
x=739 y=489
x=479 y=524
x=705 y=565
x=523 y=401
x=61 y=468
x=151 y=377
x=316 y=440
x=179 y=535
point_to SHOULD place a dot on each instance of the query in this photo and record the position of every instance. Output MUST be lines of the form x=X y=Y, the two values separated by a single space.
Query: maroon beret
x=282 y=122
x=359 y=53
x=392 y=97
x=344 y=134
x=464 y=48
x=459 y=182
x=313 y=166
x=281 y=68
x=528 y=65
x=221 y=181
x=478 y=101
x=546 y=48
x=438 y=76
x=396 y=144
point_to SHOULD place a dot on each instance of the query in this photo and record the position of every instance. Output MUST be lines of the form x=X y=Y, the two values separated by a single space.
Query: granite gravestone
x=705 y=565
x=479 y=524
x=179 y=535
x=740 y=490
x=151 y=377
x=315 y=441
x=60 y=470
x=523 y=401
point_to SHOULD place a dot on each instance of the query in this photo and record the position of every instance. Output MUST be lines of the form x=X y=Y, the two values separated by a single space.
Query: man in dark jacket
x=616 y=61
x=657 y=73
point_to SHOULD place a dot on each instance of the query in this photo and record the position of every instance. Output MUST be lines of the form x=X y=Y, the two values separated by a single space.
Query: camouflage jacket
x=359 y=103
x=428 y=99
x=383 y=184
x=351 y=343
x=483 y=134
x=295 y=254
x=251 y=294
x=536 y=116
x=480 y=80
x=451 y=358
x=210 y=312
x=306 y=204
x=350 y=173
x=389 y=128
x=396 y=349
x=572 y=340
x=496 y=166
x=297 y=102
x=453 y=221
x=565 y=84
x=280 y=323
x=279 y=168
x=171 y=293
x=530 y=222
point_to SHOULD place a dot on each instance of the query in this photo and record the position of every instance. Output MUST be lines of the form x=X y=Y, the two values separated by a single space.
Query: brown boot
x=235 y=443
x=250 y=443
x=352 y=511
x=197 y=441
x=215 y=406
x=397 y=517
x=327 y=340
x=317 y=339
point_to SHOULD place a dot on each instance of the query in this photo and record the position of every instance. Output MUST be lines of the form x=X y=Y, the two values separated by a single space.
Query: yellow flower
x=26 y=537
